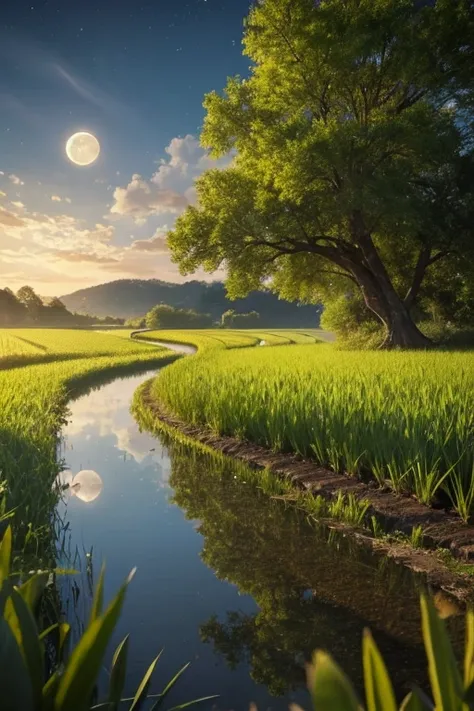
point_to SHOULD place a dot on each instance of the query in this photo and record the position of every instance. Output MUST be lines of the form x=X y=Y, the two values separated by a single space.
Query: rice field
x=405 y=420
x=35 y=345
x=33 y=407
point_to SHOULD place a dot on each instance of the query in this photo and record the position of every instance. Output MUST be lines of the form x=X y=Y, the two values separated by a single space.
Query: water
x=240 y=585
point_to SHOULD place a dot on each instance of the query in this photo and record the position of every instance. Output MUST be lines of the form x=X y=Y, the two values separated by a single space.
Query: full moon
x=82 y=148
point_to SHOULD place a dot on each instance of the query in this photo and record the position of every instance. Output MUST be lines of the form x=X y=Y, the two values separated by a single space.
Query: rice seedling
x=404 y=418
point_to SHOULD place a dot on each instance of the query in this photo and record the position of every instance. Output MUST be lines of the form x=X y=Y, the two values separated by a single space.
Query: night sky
x=134 y=74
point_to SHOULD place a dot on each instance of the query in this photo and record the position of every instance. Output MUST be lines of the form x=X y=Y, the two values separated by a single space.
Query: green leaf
x=468 y=696
x=48 y=631
x=142 y=690
x=79 y=678
x=64 y=630
x=98 y=601
x=378 y=687
x=330 y=689
x=117 y=674
x=444 y=674
x=168 y=688
x=5 y=555
x=469 y=651
x=414 y=702
x=49 y=692
x=23 y=626
x=32 y=589
x=16 y=693
x=191 y=703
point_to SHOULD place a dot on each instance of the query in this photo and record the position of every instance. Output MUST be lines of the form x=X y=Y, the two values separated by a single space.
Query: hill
x=134 y=297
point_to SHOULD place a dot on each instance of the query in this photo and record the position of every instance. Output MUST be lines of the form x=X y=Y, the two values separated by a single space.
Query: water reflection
x=242 y=586
x=311 y=592
x=86 y=485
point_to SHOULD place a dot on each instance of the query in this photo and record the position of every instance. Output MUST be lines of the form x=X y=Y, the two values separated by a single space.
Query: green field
x=403 y=419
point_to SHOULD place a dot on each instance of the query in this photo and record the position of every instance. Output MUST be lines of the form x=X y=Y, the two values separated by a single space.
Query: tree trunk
x=380 y=295
x=402 y=331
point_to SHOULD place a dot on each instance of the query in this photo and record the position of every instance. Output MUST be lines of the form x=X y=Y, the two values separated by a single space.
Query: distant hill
x=134 y=297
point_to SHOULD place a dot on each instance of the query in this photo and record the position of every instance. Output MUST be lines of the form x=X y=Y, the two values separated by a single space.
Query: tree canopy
x=353 y=167
x=164 y=316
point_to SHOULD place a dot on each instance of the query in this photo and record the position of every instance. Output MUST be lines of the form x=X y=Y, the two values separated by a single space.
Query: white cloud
x=55 y=198
x=156 y=244
x=142 y=198
x=171 y=188
x=67 y=199
x=2 y=194
x=15 y=179
x=18 y=204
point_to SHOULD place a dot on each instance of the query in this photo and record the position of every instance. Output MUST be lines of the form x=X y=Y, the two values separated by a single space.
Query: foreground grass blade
x=142 y=690
x=469 y=651
x=117 y=674
x=187 y=704
x=5 y=555
x=378 y=687
x=15 y=687
x=414 y=702
x=81 y=673
x=444 y=675
x=168 y=688
x=23 y=626
x=330 y=689
x=32 y=589
x=98 y=601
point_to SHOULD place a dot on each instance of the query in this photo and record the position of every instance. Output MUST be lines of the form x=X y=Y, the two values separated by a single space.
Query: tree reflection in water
x=314 y=589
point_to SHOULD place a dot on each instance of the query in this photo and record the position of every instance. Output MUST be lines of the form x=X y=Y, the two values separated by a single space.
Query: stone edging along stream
x=394 y=512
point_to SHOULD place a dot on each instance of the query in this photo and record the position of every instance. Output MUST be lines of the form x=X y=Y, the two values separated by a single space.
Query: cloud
x=90 y=257
x=55 y=198
x=15 y=179
x=157 y=243
x=171 y=188
x=67 y=199
x=10 y=220
x=2 y=194
x=142 y=198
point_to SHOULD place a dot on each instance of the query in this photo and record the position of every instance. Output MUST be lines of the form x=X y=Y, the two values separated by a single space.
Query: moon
x=82 y=148
x=86 y=485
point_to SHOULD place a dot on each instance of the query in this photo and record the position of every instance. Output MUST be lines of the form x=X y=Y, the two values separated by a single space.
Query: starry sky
x=134 y=74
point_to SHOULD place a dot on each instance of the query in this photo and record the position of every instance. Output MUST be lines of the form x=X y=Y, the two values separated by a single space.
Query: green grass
x=33 y=406
x=404 y=419
x=36 y=345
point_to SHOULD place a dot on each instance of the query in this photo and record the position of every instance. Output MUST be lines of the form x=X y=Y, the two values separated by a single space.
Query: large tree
x=353 y=142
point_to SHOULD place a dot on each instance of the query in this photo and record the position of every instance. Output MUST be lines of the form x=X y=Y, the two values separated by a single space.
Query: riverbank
x=394 y=514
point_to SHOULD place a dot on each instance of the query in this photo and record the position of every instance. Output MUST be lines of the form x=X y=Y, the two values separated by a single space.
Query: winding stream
x=240 y=585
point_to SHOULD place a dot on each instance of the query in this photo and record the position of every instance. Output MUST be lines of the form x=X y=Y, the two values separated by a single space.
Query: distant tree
x=354 y=155
x=138 y=322
x=33 y=303
x=163 y=316
x=12 y=311
x=228 y=318
x=55 y=313
x=232 y=319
